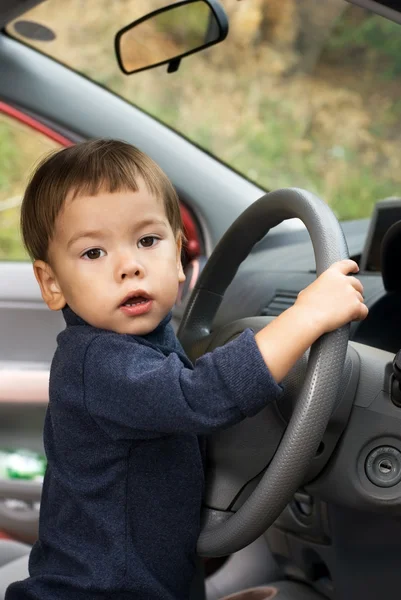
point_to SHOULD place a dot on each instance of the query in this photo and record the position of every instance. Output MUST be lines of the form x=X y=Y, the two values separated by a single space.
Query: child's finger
x=346 y=266
x=356 y=284
x=363 y=312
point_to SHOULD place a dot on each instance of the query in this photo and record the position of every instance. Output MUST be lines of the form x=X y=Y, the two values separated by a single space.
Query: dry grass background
x=271 y=101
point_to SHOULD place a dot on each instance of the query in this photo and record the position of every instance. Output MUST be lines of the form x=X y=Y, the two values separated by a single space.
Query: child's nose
x=128 y=267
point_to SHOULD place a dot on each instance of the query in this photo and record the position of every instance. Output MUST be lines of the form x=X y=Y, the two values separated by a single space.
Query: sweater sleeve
x=134 y=391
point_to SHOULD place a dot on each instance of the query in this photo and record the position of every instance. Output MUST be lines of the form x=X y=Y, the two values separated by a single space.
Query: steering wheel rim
x=317 y=398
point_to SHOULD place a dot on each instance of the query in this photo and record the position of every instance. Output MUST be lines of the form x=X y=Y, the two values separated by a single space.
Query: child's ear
x=181 y=274
x=49 y=287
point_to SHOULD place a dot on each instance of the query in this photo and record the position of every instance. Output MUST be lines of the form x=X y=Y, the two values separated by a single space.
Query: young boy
x=123 y=488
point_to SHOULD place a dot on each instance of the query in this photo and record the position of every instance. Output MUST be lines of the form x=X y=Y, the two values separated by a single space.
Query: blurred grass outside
x=335 y=132
x=20 y=149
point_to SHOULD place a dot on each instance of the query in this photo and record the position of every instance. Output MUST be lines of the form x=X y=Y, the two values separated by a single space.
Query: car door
x=27 y=330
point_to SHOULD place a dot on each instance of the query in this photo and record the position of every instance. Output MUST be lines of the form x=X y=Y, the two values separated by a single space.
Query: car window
x=301 y=93
x=20 y=148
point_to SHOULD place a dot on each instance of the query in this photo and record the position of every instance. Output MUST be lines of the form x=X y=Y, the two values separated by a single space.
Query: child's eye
x=148 y=241
x=94 y=253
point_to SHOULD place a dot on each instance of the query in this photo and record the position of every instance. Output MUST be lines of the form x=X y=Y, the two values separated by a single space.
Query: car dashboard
x=270 y=279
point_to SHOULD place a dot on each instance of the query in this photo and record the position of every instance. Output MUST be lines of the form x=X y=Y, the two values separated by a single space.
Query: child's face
x=114 y=260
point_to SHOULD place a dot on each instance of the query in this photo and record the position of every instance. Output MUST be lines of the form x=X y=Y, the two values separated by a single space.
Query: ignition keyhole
x=385 y=466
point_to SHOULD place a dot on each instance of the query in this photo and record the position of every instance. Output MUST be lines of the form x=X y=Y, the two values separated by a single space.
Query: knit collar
x=157 y=336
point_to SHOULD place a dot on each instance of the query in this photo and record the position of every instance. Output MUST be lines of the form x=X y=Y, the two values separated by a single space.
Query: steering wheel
x=226 y=532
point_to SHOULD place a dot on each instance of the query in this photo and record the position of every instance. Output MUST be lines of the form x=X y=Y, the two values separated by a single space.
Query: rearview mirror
x=169 y=34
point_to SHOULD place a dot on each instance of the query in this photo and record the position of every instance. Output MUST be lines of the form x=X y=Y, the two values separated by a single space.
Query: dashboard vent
x=282 y=300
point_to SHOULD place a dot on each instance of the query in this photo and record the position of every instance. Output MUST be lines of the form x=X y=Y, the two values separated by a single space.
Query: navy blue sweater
x=122 y=493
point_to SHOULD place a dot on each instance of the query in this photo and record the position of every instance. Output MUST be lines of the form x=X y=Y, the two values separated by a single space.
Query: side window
x=21 y=146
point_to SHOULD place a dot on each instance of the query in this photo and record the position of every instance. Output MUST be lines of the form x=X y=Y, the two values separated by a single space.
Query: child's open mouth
x=135 y=301
x=136 y=304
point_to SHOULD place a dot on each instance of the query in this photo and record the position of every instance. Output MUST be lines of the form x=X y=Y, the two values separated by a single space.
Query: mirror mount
x=173 y=65
x=169 y=34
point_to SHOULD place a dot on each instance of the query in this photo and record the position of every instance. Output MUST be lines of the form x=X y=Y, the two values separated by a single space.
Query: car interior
x=278 y=123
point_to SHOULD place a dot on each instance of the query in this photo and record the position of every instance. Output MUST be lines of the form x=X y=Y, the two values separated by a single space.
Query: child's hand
x=335 y=298
x=331 y=301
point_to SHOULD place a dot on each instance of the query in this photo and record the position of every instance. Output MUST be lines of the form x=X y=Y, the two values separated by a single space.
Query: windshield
x=301 y=93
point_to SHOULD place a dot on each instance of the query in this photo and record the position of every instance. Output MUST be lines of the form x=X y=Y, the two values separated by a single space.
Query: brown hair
x=88 y=168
